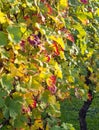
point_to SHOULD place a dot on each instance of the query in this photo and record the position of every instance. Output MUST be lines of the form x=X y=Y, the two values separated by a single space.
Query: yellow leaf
x=97 y=11
x=61 y=95
x=90 y=53
x=44 y=74
x=17 y=71
x=55 y=19
x=59 y=40
x=62 y=56
x=47 y=127
x=70 y=79
x=90 y=69
x=60 y=23
x=17 y=47
x=82 y=32
x=38 y=124
x=1 y=115
x=26 y=78
x=58 y=71
x=63 y=4
x=24 y=5
x=52 y=99
x=13 y=69
x=23 y=28
x=86 y=87
x=2 y=17
x=9 y=21
x=67 y=94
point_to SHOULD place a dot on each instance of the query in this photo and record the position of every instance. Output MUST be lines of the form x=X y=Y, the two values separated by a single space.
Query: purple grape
x=84 y=1
x=33 y=40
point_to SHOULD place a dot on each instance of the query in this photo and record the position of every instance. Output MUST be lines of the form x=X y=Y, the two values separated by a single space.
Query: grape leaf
x=14 y=33
x=3 y=38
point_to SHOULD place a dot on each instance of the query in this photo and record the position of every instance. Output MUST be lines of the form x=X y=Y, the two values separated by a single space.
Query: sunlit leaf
x=38 y=124
x=82 y=32
x=2 y=17
x=17 y=71
x=58 y=71
x=97 y=12
x=63 y=4
x=59 y=40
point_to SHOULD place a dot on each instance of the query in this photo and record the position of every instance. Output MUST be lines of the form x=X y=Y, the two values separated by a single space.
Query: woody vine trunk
x=84 y=109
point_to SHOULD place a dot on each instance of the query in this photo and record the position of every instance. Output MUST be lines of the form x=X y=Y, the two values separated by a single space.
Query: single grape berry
x=33 y=40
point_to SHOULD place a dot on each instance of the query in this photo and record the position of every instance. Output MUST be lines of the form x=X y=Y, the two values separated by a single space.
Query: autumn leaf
x=2 y=17
x=70 y=37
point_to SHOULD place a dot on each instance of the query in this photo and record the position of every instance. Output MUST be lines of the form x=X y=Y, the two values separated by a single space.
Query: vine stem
x=82 y=114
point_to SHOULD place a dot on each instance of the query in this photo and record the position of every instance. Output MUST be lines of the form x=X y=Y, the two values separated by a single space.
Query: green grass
x=70 y=110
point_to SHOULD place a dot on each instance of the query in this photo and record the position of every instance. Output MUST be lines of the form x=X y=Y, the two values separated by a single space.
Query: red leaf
x=53 y=79
x=26 y=17
x=56 y=50
x=47 y=58
x=52 y=89
x=49 y=8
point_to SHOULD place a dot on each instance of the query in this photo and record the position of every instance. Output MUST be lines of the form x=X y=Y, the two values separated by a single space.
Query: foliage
x=46 y=48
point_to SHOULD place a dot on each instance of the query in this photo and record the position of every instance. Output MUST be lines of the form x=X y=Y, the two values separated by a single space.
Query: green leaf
x=73 y=2
x=11 y=1
x=45 y=96
x=54 y=109
x=67 y=126
x=29 y=2
x=6 y=82
x=56 y=128
x=2 y=102
x=20 y=121
x=14 y=33
x=3 y=38
x=13 y=106
x=2 y=93
x=6 y=112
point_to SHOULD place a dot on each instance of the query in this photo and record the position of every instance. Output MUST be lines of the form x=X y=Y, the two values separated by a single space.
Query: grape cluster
x=34 y=40
x=84 y=1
